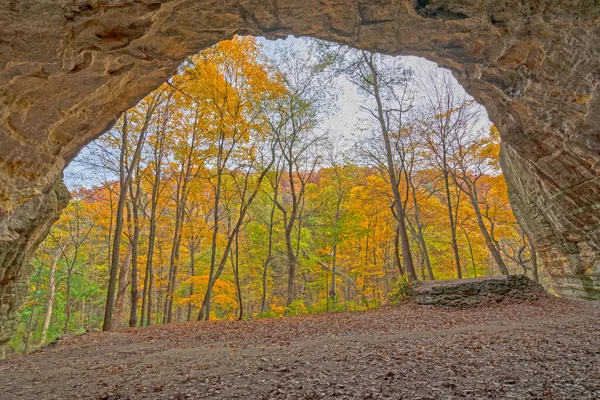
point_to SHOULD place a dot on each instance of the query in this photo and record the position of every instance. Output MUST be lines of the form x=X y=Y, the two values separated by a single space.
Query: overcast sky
x=349 y=115
x=345 y=123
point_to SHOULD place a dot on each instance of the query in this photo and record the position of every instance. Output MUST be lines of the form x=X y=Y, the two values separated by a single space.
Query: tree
x=238 y=87
x=414 y=186
x=126 y=170
x=274 y=183
x=189 y=166
x=386 y=85
x=50 y=303
x=155 y=170
x=294 y=123
x=136 y=199
x=473 y=162
x=448 y=111
x=75 y=229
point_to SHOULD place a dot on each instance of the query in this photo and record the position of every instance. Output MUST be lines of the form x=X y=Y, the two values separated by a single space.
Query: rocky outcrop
x=68 y=68
x=475 y=291
x=565 y=231
x=20 y=235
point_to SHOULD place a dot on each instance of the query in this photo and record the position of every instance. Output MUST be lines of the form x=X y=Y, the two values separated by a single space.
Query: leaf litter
x=544 y=349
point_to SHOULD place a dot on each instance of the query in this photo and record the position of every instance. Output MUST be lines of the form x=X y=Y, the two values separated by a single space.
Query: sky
x=342 y=124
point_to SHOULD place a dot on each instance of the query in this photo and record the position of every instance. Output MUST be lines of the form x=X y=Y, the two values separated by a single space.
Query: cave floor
x=543 y=349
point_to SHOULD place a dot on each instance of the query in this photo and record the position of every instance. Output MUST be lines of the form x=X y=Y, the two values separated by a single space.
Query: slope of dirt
x=545 y=349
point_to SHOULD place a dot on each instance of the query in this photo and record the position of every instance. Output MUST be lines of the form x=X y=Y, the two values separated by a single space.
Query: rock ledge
x=474 y=291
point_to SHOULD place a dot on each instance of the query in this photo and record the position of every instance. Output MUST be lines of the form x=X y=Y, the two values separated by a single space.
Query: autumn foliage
x=236 y=203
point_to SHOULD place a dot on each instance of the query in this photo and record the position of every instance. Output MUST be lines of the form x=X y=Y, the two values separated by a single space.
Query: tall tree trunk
x=182 y=191
x=391 y=169
x=174 y=260
x=168 y=306
x=289 y=220
x=397 y=240
x=149 y=276
x=419 y=234
x=452 y=222
x=488 y=239
x=114 y=262
x=68 y=301
x=123 y=281
x=332 y=291
x=52 y=287
x=471 y=253
x=291 y=257
x=110 y=231
x=192 y=249
x=158 y=152
x=144 y=301
x=288 y=223
x=263 y=302
x=204 y=313
x=134 y=252
x=234 y=255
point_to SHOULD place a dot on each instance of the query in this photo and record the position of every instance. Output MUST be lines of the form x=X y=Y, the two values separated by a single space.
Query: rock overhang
x=68 y=68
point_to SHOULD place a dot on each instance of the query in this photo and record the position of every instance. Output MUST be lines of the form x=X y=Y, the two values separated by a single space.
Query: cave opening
x=280 y=145
x=65 y=81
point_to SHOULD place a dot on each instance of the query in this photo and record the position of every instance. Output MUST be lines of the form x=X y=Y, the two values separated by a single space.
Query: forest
x=224 y=195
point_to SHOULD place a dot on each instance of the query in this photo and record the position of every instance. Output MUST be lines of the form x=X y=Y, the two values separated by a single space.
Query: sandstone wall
x=20 y=234
x=68 y=68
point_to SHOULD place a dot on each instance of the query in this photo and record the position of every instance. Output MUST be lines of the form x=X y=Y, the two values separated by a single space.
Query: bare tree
x=294 y=123
x=386 y=85
x=447 y=112
x=136 y=199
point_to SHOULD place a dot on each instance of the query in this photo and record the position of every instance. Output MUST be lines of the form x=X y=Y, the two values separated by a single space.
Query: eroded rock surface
x=20 y=235
x=68 y=68
x=474 y=291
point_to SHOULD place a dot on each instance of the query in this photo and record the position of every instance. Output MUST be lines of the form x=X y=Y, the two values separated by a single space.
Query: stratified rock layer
x=20 y=235
x=474 y=291
x=68 y=68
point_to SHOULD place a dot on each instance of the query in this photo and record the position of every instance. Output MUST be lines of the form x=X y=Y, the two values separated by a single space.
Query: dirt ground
x=544 y=349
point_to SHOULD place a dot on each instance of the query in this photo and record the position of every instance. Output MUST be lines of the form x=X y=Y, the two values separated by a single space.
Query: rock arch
x=68 y=68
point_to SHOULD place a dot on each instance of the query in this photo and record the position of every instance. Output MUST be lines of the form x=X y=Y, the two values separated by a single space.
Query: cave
x=69 y=68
